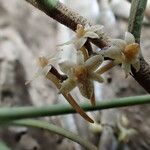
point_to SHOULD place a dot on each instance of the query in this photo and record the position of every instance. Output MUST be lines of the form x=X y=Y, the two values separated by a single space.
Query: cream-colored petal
x=54 y=60
x=91 y=35
x=121 y=44
x=86 y=89
x=127 y=68
x=42 y=72
x=136 y=65
x=54 y=56
x=80 y=58
x=94 y=62
x=49 y=59
x=129 y=38
x=86 y=26
x=80 y=42
x=125 y=134
x=66 y=66
x=68 y=85
x=112 y=52
x=96 y=77
x=72 y=41
x=46 y=69
x=95 y=28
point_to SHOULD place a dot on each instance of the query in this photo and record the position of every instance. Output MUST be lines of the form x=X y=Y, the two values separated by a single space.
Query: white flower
x=81 y=75
x=125 y=133
x=44 y=65
x=82 y=34
x=125 y=52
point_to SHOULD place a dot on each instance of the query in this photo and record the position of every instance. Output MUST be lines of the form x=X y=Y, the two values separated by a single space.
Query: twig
x=65 y=16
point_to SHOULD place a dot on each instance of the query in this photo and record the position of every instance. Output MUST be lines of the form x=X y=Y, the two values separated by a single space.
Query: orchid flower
x=82 y=74
x=82 y=34
x=45 y=65
x=125 y=132
x=125 y=52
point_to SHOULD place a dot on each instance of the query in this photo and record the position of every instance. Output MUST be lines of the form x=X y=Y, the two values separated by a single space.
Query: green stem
x=14 y=113
x=55 y=129
x=3 y=146
x=135 y=25
x=136 y=18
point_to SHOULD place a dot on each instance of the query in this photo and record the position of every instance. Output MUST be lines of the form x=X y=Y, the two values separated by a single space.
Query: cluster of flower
x=85 y=71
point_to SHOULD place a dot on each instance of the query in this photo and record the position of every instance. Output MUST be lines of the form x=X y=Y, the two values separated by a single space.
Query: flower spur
x=82 y=75
x=125 y=52
x=82 y=34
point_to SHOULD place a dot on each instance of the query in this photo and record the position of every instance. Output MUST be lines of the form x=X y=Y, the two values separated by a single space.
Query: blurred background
x=25 y=34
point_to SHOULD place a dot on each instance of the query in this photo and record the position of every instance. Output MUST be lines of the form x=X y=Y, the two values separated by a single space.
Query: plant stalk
x=15 y=113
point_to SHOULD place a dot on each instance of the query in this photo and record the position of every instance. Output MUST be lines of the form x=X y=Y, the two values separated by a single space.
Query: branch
x=14 y=113
x=136 y=18
x=54 y=129
x=143 y=75
x=135 y=25
x=65 y=16
x=69 y=18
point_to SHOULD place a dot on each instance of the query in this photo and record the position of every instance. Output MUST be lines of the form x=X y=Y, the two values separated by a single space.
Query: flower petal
x=73 y=40
x=68 y=85
x=80 y=42
x=91 y=34
x=66 y=66
x=86 y=89
x=42 y=72
x=121 y=44
x=96 y=77
x=46 y=69
x=112 y=52
x=54 y=55
x=136 y=65
x=80 y=58
x=95 y=28
x=129 y=38
x=86 y=26
x=94 y=62
x=127 y=68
